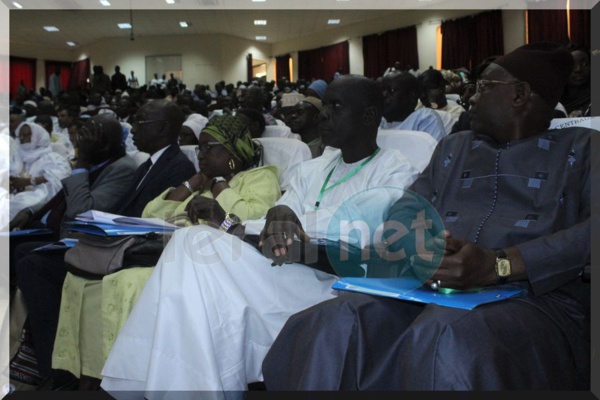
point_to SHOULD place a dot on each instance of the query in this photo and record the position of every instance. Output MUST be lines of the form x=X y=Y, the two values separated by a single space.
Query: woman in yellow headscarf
x=230 y=187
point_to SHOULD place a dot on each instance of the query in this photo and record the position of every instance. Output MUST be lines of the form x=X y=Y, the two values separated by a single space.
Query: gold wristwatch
x=229 y=221
x=503 y=269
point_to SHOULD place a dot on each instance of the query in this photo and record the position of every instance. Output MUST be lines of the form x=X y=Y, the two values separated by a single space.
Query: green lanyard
x=349 y=175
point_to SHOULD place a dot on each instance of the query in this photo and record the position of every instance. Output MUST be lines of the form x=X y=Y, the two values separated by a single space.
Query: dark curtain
x=402 y=46
x=249 y=69
x=323 y=63
x=547 y=26
x=374 y=55
x=488 y=37
x=467 y=41
x=21 y=69
x=457 y=45
x=580 y=27
x=282 y=66
x=65 y=72
x=80 y=72
x=381 y=51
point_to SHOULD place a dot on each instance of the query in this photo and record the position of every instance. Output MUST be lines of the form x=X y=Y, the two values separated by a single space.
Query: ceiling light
x=258 y=1
x=260 y=22
x=71 y=44
x=343 y=0
x=51 y=28
x=333 y=21
x=170 y=1
x=17 y=4
x=124 y=25
x=261 y=38
x=105 y=3
x=183 y=24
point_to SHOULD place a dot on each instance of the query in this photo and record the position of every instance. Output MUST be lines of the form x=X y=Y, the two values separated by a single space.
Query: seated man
x=401 y=94
x=433 y=95
x=213 y=304
x=510 y=192
x=304 y=120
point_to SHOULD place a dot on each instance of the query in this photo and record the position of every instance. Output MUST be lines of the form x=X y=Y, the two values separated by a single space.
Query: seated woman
x=190 y=131
x=230 y=184
x=38 y=177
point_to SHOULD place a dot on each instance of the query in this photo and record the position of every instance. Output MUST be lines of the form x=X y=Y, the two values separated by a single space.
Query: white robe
x=51 y=166
x=214 y=304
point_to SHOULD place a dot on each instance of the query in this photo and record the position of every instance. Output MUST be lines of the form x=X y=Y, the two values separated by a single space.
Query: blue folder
x=412 y=290
x=95 y=228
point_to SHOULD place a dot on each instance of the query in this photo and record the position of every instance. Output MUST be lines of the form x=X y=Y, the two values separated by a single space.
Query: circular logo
x=386 y=232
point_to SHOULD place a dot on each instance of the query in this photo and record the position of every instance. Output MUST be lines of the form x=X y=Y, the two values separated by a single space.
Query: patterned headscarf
x=234 y=134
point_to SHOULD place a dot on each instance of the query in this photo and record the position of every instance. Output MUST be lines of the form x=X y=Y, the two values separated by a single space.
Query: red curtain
x=282 y=65
x=324 y=62
x=80 y=72
x=21 y=69
x=580 y=27
x=65 y=72
x=381 y=51
x=488 y=37
x=547 y=26
x=457 y=38
x=467 y=41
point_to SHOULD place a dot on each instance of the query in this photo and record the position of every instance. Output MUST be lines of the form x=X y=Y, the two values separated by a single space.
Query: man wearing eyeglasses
x=156 y=131
x=515 y=199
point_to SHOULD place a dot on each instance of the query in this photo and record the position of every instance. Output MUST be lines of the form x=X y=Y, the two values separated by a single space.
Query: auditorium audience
x=231 y=186
x=228 y=331
x=509 y=191
x=40 y=276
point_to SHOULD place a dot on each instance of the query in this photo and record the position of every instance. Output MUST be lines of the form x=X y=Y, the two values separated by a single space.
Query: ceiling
x=87 y=21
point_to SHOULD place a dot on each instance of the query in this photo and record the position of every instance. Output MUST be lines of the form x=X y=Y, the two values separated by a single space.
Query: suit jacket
x=172 y=168
x=98 y=190
x=104 y=193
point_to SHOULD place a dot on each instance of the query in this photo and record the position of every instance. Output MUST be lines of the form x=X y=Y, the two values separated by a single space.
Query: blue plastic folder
x=412 y=290
x=95 y=228
x=28 y=232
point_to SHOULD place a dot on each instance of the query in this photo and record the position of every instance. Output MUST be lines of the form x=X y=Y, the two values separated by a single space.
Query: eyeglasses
x=137 y=124
x=483 y=83
x=204 y=147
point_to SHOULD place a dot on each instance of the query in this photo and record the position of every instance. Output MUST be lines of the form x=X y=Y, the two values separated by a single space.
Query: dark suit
x=172 y=168
x=40 y=276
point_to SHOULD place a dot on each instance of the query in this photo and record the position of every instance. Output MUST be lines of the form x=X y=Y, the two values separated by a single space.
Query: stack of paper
x=107 y=224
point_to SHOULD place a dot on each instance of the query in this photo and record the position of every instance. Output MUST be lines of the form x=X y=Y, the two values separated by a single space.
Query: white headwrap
x=196 y=122
x=40 y=143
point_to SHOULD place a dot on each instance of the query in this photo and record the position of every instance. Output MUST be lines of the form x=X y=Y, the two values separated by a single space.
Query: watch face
x=234 y=219
x=503 y=267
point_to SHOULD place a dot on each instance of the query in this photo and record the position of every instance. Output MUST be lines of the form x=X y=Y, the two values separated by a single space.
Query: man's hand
x=87 y=143
x=21 y=220
x=465 y=265
x=207 y=209
x=281 y=226
x=19 y=184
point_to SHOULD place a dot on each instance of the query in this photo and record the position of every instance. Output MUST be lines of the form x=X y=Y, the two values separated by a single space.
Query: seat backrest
x=190 y=151
x=279 y=131
x=285 y=153
x=417 y=146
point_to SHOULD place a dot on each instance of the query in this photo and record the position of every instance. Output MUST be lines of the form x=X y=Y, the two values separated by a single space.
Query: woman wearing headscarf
x=229 y=187
x=191 y=128
x=41 y=170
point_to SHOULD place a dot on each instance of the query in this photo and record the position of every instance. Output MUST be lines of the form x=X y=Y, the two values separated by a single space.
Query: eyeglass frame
x=480 y=84
x=206 y=146
x=137 y=124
